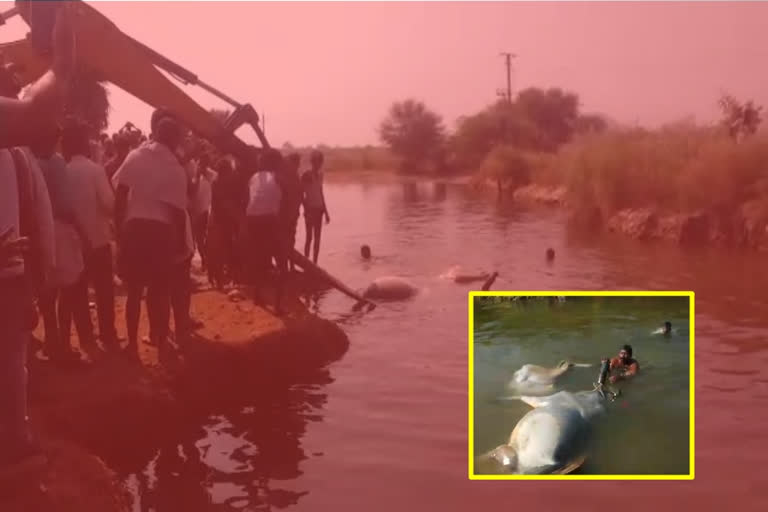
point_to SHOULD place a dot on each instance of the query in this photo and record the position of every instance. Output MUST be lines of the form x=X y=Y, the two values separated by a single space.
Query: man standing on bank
x=314 y=205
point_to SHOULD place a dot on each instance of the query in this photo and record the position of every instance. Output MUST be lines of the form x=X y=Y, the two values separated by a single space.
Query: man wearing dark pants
x=181 y=289
x=95 y=202
x=264 y=225
x=150 y=209
x=290 y=184
x=223 y=223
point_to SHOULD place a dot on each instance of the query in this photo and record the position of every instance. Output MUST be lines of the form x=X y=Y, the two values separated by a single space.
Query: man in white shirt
x=95 y=202
x=314 y=205
x=263 y=220
x=151 y=216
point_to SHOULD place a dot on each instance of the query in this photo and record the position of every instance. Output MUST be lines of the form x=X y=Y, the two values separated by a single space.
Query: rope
x=600 y=388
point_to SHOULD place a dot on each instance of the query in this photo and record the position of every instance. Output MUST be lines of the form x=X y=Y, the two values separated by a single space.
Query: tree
x=88 y=100
x=539 y=120
x=554 y=112
x=507 y=166
x=739 y=119
x=496 y=125
x=414 y=133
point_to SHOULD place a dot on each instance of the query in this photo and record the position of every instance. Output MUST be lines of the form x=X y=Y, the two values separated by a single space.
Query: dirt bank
x=745 y=228
x=705 y=228
x=115 y=410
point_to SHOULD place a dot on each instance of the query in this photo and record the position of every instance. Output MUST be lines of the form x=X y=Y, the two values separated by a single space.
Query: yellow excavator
x=110 y=55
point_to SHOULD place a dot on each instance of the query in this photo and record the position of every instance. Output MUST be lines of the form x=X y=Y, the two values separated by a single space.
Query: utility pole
x=508 y=61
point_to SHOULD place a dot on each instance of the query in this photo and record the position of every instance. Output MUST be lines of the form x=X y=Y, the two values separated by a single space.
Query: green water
x=646 y=430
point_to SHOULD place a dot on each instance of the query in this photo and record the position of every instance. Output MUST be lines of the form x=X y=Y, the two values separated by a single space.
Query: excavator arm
x=108 y=54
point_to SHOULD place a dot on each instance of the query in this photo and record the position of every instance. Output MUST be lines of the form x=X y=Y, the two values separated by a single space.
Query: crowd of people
x=69 y=200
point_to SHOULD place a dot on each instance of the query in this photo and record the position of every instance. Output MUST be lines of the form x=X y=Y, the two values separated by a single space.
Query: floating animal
x=390 y=288
x=532 y=376
x=460 y=276
x=554 y=437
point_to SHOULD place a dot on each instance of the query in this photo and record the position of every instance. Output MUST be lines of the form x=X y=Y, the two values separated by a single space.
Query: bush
x=679 y=168
x=507 y=166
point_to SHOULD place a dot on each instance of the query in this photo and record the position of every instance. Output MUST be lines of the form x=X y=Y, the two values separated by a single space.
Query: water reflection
x=235 y=432
x=232 y=459
x=410 y=210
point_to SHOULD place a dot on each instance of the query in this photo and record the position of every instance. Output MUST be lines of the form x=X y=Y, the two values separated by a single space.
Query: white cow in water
x=399 y=288
x=390 y=288
x=553 y=438
x=459 y=275
x=536 y=379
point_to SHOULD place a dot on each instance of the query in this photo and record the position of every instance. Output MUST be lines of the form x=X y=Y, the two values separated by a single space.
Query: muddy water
x=386 y=427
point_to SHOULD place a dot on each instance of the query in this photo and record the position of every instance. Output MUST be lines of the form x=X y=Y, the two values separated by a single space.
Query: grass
x=677 y=169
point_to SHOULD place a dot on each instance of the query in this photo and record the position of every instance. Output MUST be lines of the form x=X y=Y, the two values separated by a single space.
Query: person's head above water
x=550 y=254
x=625 y=354
x=667 y=327
x=365 y=252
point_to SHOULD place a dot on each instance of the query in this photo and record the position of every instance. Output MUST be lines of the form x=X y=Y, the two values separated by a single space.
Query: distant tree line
x=538 y=120
x=506 y=140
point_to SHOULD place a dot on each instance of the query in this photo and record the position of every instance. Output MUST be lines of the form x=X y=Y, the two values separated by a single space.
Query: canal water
x=385 y=428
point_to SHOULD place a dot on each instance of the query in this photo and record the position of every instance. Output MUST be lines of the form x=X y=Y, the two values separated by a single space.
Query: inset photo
x=581 y=385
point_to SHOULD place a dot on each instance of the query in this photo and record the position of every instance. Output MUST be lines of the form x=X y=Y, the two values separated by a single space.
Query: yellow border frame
x=472 y=295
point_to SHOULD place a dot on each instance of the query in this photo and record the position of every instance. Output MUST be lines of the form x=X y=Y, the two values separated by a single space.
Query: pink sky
x=327 y=72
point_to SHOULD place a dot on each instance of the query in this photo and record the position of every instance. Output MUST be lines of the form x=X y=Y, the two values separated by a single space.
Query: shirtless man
x=624 y=365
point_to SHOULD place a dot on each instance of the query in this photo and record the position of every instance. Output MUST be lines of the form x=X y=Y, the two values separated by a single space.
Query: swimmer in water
x=625 y=366
x=365 y=252
x=666 y=330
x=550 y=255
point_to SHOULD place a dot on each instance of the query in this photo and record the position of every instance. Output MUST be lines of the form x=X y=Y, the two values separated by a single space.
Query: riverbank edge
x=747 y=229
x=135 y=406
